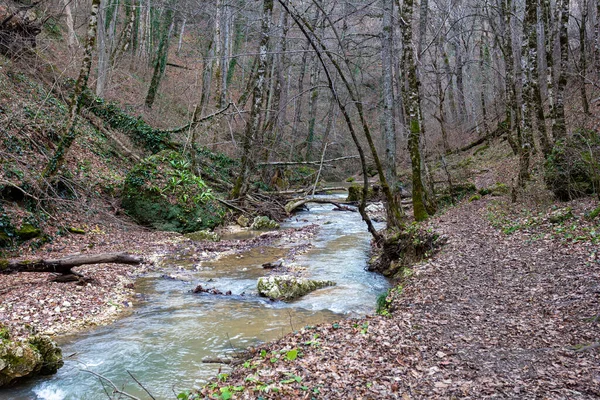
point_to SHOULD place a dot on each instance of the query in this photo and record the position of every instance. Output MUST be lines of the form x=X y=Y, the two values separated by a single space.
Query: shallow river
x=162 y=343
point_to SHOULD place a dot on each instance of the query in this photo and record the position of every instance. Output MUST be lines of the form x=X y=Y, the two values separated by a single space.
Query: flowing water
x=171 y=330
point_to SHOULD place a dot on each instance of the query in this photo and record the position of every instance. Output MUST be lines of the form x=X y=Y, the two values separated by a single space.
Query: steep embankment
x=509 y=316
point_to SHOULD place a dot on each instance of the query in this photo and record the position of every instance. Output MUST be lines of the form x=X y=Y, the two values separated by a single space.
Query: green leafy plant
x=291 y=355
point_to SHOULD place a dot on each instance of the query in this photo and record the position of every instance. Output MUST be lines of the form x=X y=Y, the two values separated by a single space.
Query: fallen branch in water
x=116 y=390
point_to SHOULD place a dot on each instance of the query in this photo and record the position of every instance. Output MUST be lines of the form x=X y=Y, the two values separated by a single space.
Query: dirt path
x=490 y=316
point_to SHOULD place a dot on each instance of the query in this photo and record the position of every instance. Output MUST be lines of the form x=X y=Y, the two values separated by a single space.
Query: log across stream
x=171 y=330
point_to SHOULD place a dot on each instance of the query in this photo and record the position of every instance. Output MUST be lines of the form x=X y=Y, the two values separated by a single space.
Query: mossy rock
x=560 y=215
x=51 y=354
x=162 y=192
x=458 y=192
x=287 y=287
x=475 y=197
x=28 y=231
x=593 y=214
x=243 y=221
x=572 y=169
x=38 y=356
x=355 y=193
x=204 y=235
x=263 y=223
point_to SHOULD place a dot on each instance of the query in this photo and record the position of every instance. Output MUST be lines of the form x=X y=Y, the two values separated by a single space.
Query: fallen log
x=307 y=190
x=282 y=163
x=294 y=204
x=64 y=265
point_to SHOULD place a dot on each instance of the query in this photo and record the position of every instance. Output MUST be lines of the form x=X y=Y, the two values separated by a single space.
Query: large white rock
x=287 y=287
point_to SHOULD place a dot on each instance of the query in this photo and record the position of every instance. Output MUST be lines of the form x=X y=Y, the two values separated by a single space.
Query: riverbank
x=31 y=303
x=508 y=308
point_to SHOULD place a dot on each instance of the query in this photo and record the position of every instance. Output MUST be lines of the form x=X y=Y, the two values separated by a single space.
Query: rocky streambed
x=171 y=330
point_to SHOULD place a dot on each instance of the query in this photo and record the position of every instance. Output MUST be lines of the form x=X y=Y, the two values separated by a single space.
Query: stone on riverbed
x=287 y=287
x=263 y=223
x=204 y=235
x=39 y=355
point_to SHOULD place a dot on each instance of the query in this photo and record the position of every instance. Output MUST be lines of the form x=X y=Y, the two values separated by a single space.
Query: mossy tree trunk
x=413 y=109
x=559 y=128
x=389 y=126
x=76 y=98
x=160 y=63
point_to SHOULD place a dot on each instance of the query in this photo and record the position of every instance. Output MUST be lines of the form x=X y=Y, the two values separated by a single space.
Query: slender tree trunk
x=512 y=109
x=102 y=48
x=298 y=102
x=559 y=130
x=388 y=93
x=257 y=99
x=460 y=87
x=124 y=41
x=412 y=103
x=312 y=109
x=529 y=62
x=549 y=57
x=181 y=33
x=597 y=41
x=76 y=98
x=536 y=91
x=71 y=36
x=218 y=46
x=583 y=57
x=161 y=58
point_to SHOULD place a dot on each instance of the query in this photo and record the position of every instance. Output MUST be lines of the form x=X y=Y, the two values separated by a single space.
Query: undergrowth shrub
x=572 y=169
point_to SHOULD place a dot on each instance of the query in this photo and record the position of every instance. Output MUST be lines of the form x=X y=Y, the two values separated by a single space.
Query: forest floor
x=500 y=312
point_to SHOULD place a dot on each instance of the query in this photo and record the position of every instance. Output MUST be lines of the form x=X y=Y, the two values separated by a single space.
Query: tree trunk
x=389 y=128
x=126 y=35
x=160 y=63
x=529 y=62
x=583 y=57
x=257 y=99
x=76 y=98
x=71 y=36
x=181 y=34
x=64 y=265
x=412 y=103
x=559 y=130
x=298 y=101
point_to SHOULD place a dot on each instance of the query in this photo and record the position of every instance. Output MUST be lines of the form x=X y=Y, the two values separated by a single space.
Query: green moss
x=162 y=192
x=594 y=213
x=355 y=193
x=560 y=215
x=204 y=235
x=350 y=179
x=481 y=150
x=475 y=197
x=3 y=264
x=77 y=231
x=263 y=222
x=28 y=231
x=287 y=287
x=500 y=189
x=4 y=333
x=572 y=169
x=50 y=353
